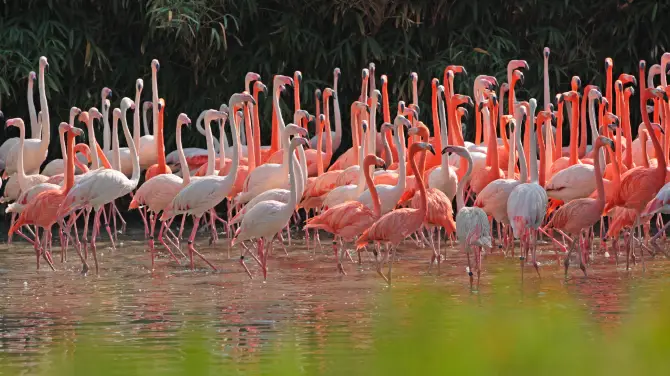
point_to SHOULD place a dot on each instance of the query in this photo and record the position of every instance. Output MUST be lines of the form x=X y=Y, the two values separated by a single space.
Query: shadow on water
x=129 y=305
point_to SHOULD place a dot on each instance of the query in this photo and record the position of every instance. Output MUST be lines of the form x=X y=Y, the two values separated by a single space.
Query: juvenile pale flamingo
x=395 y=226
x=472 y=224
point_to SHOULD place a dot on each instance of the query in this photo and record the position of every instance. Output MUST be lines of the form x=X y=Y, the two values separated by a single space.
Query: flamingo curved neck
x=463 y=153
x=186 y=173
x=594 y=131
x=135 y=178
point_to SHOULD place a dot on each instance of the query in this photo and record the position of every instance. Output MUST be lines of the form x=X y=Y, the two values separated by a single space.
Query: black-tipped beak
x=158 y=67
x=525 y=65
x=522 y=78
x=383 y=166
x=665 y=96
x=634 y=81
x=431 y=149
x=109 y=94
x=466 y=115
x=546 y=52
x=445 y=150
x=643 y=64
x=470 y=102
x=465 y=73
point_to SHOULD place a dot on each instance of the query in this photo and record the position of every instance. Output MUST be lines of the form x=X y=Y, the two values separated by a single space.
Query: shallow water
x=133 y=306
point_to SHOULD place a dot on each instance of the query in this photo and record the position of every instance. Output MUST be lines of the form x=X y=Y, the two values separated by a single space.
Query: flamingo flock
x=395 y=184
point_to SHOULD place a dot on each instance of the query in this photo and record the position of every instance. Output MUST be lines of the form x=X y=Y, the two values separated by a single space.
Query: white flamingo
x=205 y=193
x=527 y=204
x=104 y=185
x=268 y=218
x=35 y=149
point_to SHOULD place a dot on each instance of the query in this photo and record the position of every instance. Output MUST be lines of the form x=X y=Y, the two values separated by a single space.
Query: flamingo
x=268 y=218
x=443 y=177
x=158 y=192
x=335 y=136
x=35 y=123
x=395 y=226
x=205 y=193
x=161 y=166
x=390 y=194
x=35 y=149
x=43 y=210
x=348 y=220
x=640 y=185
x=582 y=213
x=104 y=186
x=574 y=181
x=349 y=192
x=527 y=203
x=472 y=224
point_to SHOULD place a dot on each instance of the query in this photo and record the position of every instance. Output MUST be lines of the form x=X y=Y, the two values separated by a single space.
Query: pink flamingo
x=42 y=211
x=348 y=220
x=394 y=227
x=581 y=214
x=268 y=218
x=640 y=185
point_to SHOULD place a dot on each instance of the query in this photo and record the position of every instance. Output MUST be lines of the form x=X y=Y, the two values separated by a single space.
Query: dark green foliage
x=206 y=46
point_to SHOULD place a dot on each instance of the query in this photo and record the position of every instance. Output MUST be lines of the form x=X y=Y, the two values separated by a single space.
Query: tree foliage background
x=206 y=46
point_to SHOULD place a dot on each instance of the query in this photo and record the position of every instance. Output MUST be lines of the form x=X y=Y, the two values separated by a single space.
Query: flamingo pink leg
x=191 y=248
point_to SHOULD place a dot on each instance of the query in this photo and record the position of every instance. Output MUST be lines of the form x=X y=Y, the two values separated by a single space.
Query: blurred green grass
x=506 y=332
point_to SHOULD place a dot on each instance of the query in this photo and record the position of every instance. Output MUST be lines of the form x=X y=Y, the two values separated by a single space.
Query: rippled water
x=132 y=306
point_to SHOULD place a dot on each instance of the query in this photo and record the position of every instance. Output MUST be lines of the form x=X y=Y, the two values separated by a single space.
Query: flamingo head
x=161 y=105
x=139 y=84
x=386 y=127
x=252 y=76
x=401 y=120
x=297 y=77
x=594 y=93
x=517 y=76
x=44 y=63
x=414 y=77
x=337 y=73
x=317 y=94
x=602 y=140
x=613 y=121
x=155 y=65
x=372 y=67
x=127 y=103
x=609 y=63
x=517 y=64
x=293 y=130
x=280 y=81
x=626 y=78
x=422 y=146
x=147 y=105
x=463 y=113
x=384 y=80
x=74 y=111
x=106 y=93
x=457 y=69
x=259 y=86
x=299 y=141
x=237 y=99
x=365 y=73
x=183 y=119
x=77 y=131
x=32 y=76
x=328 y=92
x=94 y=113
x=546 y=52
x=15 y=122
